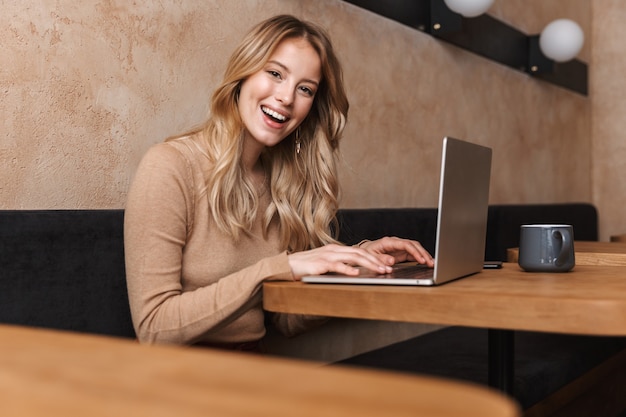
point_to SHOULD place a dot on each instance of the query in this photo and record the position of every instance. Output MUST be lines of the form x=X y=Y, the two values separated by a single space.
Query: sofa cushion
x=64 y=269
x=503 y=224
x=411 y=223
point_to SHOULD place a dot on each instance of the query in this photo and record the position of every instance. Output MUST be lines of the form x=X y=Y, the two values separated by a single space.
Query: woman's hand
x=337 y=258
x=400 y=250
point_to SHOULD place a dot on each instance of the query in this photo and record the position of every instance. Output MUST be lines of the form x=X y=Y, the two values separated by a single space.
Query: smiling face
x=275 y=100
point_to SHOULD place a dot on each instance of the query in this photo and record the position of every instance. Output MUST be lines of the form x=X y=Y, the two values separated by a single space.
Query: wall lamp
x=549 y=56
x=469 y=8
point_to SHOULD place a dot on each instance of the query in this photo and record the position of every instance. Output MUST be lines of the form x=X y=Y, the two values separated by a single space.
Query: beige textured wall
x=88 y=86
x=608 y=93
x=408 y=90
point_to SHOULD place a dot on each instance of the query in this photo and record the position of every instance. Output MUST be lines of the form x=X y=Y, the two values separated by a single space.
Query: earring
x=298 y=141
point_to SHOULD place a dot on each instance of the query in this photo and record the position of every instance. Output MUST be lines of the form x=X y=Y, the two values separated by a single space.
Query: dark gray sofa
x=64 y=269
x=503 y=224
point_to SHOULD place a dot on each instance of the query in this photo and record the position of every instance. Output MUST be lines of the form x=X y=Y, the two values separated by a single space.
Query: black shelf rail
x=483 y=35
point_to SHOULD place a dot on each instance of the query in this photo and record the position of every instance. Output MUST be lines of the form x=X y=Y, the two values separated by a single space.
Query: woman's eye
x=274 y=74
x=306 y=90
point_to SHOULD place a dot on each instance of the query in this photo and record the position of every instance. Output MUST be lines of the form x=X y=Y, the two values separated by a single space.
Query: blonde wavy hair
x=304 y=186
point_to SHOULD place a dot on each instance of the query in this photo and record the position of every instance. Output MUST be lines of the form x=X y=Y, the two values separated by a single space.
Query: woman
x=249 y=197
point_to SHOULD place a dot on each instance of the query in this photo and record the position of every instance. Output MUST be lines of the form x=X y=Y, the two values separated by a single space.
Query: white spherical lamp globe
x=469 y=8
x=561 y=40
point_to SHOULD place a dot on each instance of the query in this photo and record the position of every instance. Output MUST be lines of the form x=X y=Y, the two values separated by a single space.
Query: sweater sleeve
x=158 y=218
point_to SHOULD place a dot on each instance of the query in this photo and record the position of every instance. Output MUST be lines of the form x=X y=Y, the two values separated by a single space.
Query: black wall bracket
x=485 y=36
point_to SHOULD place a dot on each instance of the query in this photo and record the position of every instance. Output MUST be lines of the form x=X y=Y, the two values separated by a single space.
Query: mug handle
x=566 y=245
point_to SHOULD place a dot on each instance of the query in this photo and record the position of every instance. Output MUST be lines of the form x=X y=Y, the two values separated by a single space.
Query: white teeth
x=274 y=114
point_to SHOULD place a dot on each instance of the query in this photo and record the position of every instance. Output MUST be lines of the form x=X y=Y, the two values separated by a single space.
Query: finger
x=407 y=249
x=374 y=262
x=388 y=258
x=335 y=258
x=425 y=254
x=362 y=257
x=421 y=255
x=344 y=269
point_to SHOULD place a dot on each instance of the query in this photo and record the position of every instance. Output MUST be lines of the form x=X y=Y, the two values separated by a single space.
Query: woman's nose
x=284 y=94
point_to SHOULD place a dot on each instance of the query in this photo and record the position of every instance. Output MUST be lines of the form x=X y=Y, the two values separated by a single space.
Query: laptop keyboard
x=411 y=271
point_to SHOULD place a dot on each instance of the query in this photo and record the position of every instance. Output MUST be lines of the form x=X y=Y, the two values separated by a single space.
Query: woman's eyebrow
x=316 y=83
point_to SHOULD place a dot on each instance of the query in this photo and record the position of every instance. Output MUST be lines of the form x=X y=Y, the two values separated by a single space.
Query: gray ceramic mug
x=546 y=247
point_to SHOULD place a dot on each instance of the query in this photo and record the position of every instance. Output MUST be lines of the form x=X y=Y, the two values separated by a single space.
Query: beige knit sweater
x=187 y=281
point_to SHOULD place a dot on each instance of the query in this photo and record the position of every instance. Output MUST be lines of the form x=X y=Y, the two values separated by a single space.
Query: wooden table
x=589 y=253
x=589 y=300
x=52 y=373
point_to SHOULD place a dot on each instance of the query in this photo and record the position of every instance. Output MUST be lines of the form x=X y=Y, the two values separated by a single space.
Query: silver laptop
x=461 y=223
